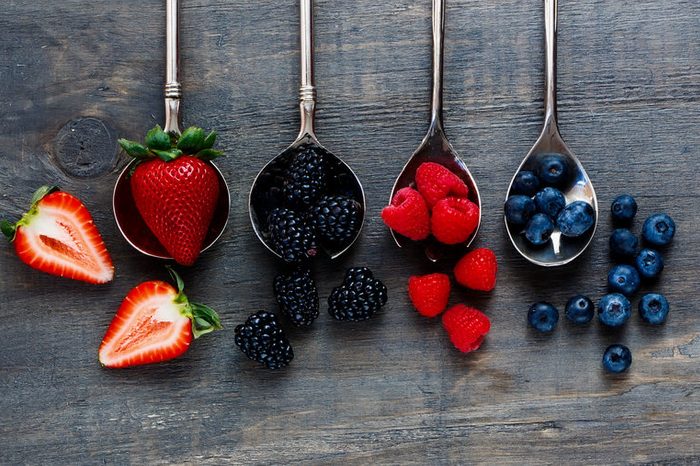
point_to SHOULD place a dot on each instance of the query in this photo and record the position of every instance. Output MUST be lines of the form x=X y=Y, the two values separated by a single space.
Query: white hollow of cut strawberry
x=155 y=323
x=58 y=236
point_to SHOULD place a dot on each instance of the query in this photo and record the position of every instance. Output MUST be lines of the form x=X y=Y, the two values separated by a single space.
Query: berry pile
x=465 y=326
x=438 y=204
x=262 y=338
x=310 y=208
x=536 y=206
x=624 y=279
x=307 y=204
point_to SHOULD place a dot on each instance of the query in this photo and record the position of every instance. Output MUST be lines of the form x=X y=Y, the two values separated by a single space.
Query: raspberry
x=436 y=182
x=429 y=293
x=466 y=327
x=408 y=214
x=477 y=270
x=454 y=220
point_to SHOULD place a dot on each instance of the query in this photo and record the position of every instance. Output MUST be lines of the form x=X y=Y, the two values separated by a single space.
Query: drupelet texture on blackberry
x=262 y=340
x=291 y=236
x=359 y=297
x=297 y=296
x=336 y=219
x=305 y=178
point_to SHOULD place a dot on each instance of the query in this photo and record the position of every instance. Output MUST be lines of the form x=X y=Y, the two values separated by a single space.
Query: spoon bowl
x=558 y=251
x=266 y=190
x=578 y=187
x=139 y=236
x=436 y=148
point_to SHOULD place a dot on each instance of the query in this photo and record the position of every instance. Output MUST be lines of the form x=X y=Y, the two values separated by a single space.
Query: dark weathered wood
x=391 y=390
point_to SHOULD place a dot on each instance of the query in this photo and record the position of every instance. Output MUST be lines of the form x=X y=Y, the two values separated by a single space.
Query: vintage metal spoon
x=264 y=193
x=129 y=221
x=435 y=147
x=558 y=251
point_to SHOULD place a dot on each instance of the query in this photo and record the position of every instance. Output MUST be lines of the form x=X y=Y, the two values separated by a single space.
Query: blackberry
x=359 y=297
x=337 y=220
x=262 y=340
x=305 y=178
x=297 y=296
x=291 y=236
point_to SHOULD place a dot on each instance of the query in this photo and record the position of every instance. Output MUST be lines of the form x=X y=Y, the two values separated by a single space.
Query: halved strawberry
x=58 y=236
x=155 y=323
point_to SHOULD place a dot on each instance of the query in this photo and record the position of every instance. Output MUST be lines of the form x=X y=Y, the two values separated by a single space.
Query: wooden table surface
x=76 y=75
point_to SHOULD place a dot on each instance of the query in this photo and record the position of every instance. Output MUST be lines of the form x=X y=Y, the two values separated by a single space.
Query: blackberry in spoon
x=129 y=221
x=305 y=190
x=435 y=147
x=551 y=163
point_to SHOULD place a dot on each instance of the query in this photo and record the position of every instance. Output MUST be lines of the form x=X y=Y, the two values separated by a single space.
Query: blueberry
x=653 y=308
x=614 y=310
x=576 y=218
x=617 y=358
x=539 y=229
x=649 y=263
x=519 y=209
x=623 y=279
x=525 y=182
x=550 y=201
x=543 y=316
x=658 y=229
x=623 y=208
x=580 y=309
x=553 y=169
x=623 y=243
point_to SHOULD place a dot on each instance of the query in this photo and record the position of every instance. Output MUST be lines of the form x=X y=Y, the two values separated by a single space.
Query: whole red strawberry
x=175 y=188
x=408 y=214
x=436 y=182
x=429 y=293
x=454 y=220
x=466 y=327
x=477 y=270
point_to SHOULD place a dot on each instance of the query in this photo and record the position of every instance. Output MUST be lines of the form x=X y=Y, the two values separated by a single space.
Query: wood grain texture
x=391 y=390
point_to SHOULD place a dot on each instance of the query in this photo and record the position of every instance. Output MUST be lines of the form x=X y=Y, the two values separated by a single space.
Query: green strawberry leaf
x=191 y=140
x=209 y=154
x=43 y=191
x=8 y=229
x=204 y=319
x=209 y=140
x=134 y=149
x=157 y=139
x=167 y=155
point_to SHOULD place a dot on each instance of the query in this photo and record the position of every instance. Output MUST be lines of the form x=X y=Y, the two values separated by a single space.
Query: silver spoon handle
x=550 y=80
x=173 y=89
x=307 y=91
x=438 y=39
